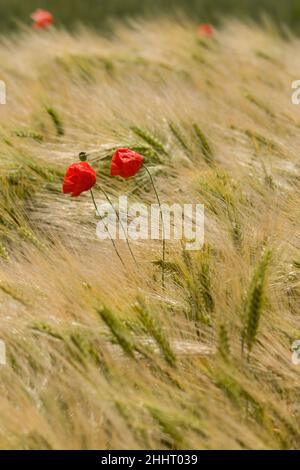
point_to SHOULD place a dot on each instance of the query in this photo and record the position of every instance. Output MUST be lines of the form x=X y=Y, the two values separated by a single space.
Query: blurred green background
x=97 y=12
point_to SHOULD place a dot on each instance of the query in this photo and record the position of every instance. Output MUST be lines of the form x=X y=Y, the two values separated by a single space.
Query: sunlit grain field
x=100 y=355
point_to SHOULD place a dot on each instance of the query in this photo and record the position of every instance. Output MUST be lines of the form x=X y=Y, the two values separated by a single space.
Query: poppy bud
x=82 y=156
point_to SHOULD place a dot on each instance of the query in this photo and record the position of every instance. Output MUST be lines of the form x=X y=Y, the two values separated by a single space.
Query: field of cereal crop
x=100 y=354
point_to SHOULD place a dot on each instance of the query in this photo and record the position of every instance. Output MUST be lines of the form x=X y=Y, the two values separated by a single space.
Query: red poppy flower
x=206 y=30
x=79 y=177
x=125 y=163
x=42 y=19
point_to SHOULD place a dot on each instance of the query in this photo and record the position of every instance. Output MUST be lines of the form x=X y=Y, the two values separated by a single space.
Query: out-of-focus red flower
x=206 y=30
x=79 y=177
x=42 y=19
x=125 y=163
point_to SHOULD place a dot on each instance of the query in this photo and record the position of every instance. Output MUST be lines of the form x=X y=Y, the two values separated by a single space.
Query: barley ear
x=255 y=302
x=205 y=146
x=223 y=342
x=57 y=120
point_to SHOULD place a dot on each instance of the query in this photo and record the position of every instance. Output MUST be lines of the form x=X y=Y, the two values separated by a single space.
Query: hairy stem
x=163 y=228
x=112 y=240
x=120 y=222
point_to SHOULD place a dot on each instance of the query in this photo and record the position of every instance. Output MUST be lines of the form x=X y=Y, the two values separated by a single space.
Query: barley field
x=99 y=355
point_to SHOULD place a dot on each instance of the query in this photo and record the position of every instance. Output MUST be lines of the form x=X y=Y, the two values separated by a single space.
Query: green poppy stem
x=163 y=228
x=112 y=240
x=120 y=222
